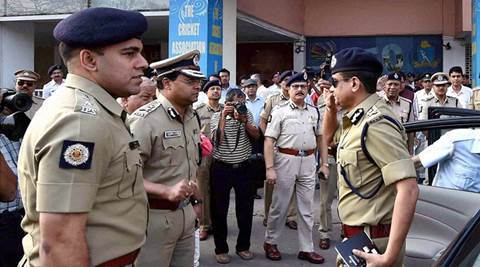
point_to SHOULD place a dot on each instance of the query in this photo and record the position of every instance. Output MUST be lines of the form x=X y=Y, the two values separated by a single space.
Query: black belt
x=231 y=165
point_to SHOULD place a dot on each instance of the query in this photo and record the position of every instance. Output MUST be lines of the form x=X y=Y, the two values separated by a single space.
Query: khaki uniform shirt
x=402 y=108
x=36 y=104
x=270 y=103
x=77 y=157
x=433 y=101
x=475 y=101
x=205 y=113
x=294 y=127
x=387 y=144
x=169 y=146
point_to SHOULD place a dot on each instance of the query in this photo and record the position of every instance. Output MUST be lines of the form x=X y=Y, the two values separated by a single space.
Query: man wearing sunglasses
x=26 y=82
x=377 y=181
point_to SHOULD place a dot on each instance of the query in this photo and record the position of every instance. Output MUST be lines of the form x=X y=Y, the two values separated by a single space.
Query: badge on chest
x=169 y=134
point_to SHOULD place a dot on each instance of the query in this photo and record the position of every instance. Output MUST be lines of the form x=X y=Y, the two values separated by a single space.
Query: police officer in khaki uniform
x=205 y=111
x=82 y=188
x=271 y=102
x=402 y=107
x=327 y=180
x=168 y=130
x=294 y=128
x=439 y=97
x=475 y=101
x=377 y=186
x=26 y=82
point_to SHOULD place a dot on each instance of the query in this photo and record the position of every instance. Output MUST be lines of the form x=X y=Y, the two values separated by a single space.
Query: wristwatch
x=195 y=201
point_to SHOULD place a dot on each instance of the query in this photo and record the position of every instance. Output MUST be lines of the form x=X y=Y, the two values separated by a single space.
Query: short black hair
x=224 y=70
x=232 y=93
x=455 y=69
x=171 y=76
x=67 y=52
x=369 y=79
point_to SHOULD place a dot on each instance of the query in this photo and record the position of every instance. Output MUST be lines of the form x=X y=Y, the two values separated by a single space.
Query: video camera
x=325 y=69
x=14 y=125
x=240 y=107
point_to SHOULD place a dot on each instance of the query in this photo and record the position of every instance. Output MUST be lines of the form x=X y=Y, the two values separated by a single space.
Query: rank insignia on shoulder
x=269 y=118
x=357 y=115
x=76 y=155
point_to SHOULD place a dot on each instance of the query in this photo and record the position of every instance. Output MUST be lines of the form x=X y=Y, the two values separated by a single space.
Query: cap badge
x=196 y=60
x=395 y=76
x=305 y=76
x=440 y=78
x=334 y=62
x=26 y=74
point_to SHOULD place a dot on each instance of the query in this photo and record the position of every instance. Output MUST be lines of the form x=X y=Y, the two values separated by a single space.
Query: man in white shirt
x=254 y=102
x=56 y=73
x=457 y=89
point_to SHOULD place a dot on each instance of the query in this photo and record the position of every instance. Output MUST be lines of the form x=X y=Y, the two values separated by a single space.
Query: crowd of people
x=111 y=154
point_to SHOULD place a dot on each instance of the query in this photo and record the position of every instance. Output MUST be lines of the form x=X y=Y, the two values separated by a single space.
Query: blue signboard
x=415 y=54
x=475 y=43
x=197 y=24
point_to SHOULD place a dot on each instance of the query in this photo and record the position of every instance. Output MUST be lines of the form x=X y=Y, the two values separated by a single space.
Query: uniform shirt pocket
x=349 y=162
x=291 y=126
x=132 y=165
x=174 y=150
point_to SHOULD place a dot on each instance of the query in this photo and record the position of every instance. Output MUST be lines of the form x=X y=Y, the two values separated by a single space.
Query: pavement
x=288 y=245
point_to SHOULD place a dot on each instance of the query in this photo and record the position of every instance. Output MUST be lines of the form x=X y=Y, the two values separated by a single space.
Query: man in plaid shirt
x=11 y=213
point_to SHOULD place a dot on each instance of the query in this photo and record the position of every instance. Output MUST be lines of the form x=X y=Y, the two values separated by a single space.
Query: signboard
x=475 y=43
x=197 y=24
x=415 y=54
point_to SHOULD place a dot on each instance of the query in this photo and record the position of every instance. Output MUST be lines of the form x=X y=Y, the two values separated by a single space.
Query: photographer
x=26 y=82
x=231 y=132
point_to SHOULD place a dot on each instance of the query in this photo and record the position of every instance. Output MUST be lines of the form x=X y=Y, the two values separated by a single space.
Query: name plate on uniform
x=172 y=134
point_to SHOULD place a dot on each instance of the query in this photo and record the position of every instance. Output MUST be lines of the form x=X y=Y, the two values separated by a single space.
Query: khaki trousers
x=328 y=192
x=268 y=192
x=170 y=239
x=203 y=179
x=295 y=176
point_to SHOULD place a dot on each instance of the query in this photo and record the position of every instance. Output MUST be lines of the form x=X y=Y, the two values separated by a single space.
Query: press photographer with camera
x=232 y=131
x=14 y=105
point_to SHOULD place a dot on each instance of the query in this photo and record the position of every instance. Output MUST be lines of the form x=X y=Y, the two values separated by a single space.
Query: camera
x=14 y=125
x=241 y=108
x=325 y=69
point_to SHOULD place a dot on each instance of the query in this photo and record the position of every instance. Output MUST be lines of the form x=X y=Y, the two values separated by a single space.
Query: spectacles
x=191 y=82
x=335 y=82
x=28 y=83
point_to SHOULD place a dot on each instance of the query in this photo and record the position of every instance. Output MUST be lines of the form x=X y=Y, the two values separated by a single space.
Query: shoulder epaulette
x=147 y=109
x=373 y=115
x=427 y=98
x=200 y=106
x=84 y=104
x=405 y=99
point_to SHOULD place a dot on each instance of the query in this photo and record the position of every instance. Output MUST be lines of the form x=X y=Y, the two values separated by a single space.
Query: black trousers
x=11 y=234
x=223 y=178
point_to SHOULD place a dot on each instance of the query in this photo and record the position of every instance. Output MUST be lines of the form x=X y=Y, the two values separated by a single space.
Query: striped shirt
x=9 y=150
x=235 y=146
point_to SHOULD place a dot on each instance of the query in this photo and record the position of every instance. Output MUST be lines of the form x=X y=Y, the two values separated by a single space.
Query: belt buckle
x=302 y=153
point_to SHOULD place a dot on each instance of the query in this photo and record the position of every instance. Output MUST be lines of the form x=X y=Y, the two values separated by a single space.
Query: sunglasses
x=28 y=83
